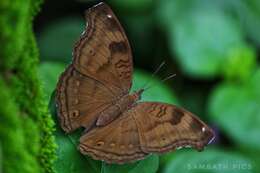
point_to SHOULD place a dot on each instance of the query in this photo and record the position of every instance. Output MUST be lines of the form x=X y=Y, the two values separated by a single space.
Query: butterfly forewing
x=102 y=60
x=103 y=52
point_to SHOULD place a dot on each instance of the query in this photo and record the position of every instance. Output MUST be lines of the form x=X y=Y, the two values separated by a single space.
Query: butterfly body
x=93 y=93
x=122 y=105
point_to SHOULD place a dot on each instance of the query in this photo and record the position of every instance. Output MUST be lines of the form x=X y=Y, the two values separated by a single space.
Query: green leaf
x=56 y=41
x=202 y=35
x=235 y=108
x=69 y=158
x=240 y=63
x=49 y=74
x=148 y=165
x=209 y=161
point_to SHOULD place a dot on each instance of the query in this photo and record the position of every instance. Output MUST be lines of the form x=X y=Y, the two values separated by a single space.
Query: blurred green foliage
x=239 y=104
x=204 y=36
x=212 y=160
x=213 y=46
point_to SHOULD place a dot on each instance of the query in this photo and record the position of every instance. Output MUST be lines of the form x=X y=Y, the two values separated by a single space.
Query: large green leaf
x=235 y=108
x=69 y=158
x=209 y=161
x=149 y=165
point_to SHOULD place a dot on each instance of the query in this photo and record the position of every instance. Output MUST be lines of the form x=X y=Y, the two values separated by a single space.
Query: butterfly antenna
x=167 y=78
x=154 y=73
x=163 y=80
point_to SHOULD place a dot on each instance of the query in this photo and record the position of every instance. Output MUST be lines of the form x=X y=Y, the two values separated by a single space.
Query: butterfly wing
x=103 y=52
x=79 y=99
x=149 y=127
x=102 y=62
x=164 y=127
x=118 y=142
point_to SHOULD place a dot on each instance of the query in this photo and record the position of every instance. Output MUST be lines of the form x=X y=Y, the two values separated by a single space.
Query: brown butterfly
x=93 y=93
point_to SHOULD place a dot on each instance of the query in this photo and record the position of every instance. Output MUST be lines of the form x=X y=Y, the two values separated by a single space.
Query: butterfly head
x=138 y=94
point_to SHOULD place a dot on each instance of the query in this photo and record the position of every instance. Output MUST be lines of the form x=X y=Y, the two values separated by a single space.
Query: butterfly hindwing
x=80 y=99
x=163 y=127
x=117 y=142
x=149 y=127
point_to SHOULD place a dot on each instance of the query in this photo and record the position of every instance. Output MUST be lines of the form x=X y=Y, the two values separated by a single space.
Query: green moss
x=26 y=127
x=11 y=133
